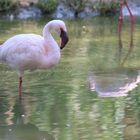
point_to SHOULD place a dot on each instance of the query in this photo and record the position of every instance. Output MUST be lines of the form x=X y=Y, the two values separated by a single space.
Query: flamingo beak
x=64 y=38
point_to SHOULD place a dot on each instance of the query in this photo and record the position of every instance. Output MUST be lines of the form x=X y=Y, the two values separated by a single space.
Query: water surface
x=93 y=94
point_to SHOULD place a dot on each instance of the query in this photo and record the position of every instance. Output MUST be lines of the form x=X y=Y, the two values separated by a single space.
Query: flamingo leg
x=20 y=86
x=132 y=18
x=120 y=17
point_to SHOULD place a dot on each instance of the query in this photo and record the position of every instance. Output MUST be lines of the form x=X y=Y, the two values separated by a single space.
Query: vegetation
x=76 y=5
x=104 y=7
x=107 y=7
x=6 y=5
x=47 y=6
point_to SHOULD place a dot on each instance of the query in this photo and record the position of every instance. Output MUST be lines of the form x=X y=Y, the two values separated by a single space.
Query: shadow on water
x=18 y=127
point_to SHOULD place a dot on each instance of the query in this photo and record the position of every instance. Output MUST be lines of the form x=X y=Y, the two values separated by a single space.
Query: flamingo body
x=31 y=51
x=28 y=51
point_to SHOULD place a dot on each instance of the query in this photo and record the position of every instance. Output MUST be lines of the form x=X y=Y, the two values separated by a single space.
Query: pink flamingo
x=31 y=51
x=132 y=19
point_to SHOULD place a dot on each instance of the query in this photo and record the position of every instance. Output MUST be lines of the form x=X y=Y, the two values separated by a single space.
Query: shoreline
x=62 y=11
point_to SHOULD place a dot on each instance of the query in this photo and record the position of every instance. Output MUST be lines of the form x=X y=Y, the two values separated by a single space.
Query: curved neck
x=48 y=38
x=52 y=48
x=46 y=33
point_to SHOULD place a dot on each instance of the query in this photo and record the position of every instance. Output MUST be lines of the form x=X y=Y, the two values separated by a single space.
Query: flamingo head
x=60 y=27
x=64 y=37
x=62 y=31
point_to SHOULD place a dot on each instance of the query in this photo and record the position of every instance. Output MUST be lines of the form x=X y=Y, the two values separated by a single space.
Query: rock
x=28 y=12
x=63 y=11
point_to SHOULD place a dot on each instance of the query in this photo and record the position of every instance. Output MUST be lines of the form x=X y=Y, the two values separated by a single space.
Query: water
x=93 y=94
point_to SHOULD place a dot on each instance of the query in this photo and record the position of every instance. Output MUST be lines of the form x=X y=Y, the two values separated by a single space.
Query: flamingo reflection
x=19 y=127
x=120 y=37
x=121 y=59
x=114 y=84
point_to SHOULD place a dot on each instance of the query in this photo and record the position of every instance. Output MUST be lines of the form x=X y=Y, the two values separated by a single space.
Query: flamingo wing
x=25 y=48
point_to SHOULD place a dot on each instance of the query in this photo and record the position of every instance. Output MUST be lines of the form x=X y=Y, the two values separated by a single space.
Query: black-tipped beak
x=64 y=38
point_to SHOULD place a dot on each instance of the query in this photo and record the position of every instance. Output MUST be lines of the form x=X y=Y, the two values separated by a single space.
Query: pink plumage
x=31 y=51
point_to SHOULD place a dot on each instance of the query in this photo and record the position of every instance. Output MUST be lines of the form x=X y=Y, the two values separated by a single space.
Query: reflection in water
x=57 y=102
x=19 y=128
x=130 y=47
x=114 y=84
x=132 y=119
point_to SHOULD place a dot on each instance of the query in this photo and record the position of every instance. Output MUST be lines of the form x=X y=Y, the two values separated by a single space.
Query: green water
x=93 y=94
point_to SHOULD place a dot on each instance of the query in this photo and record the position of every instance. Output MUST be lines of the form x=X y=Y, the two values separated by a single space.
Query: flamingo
x=31 y=51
